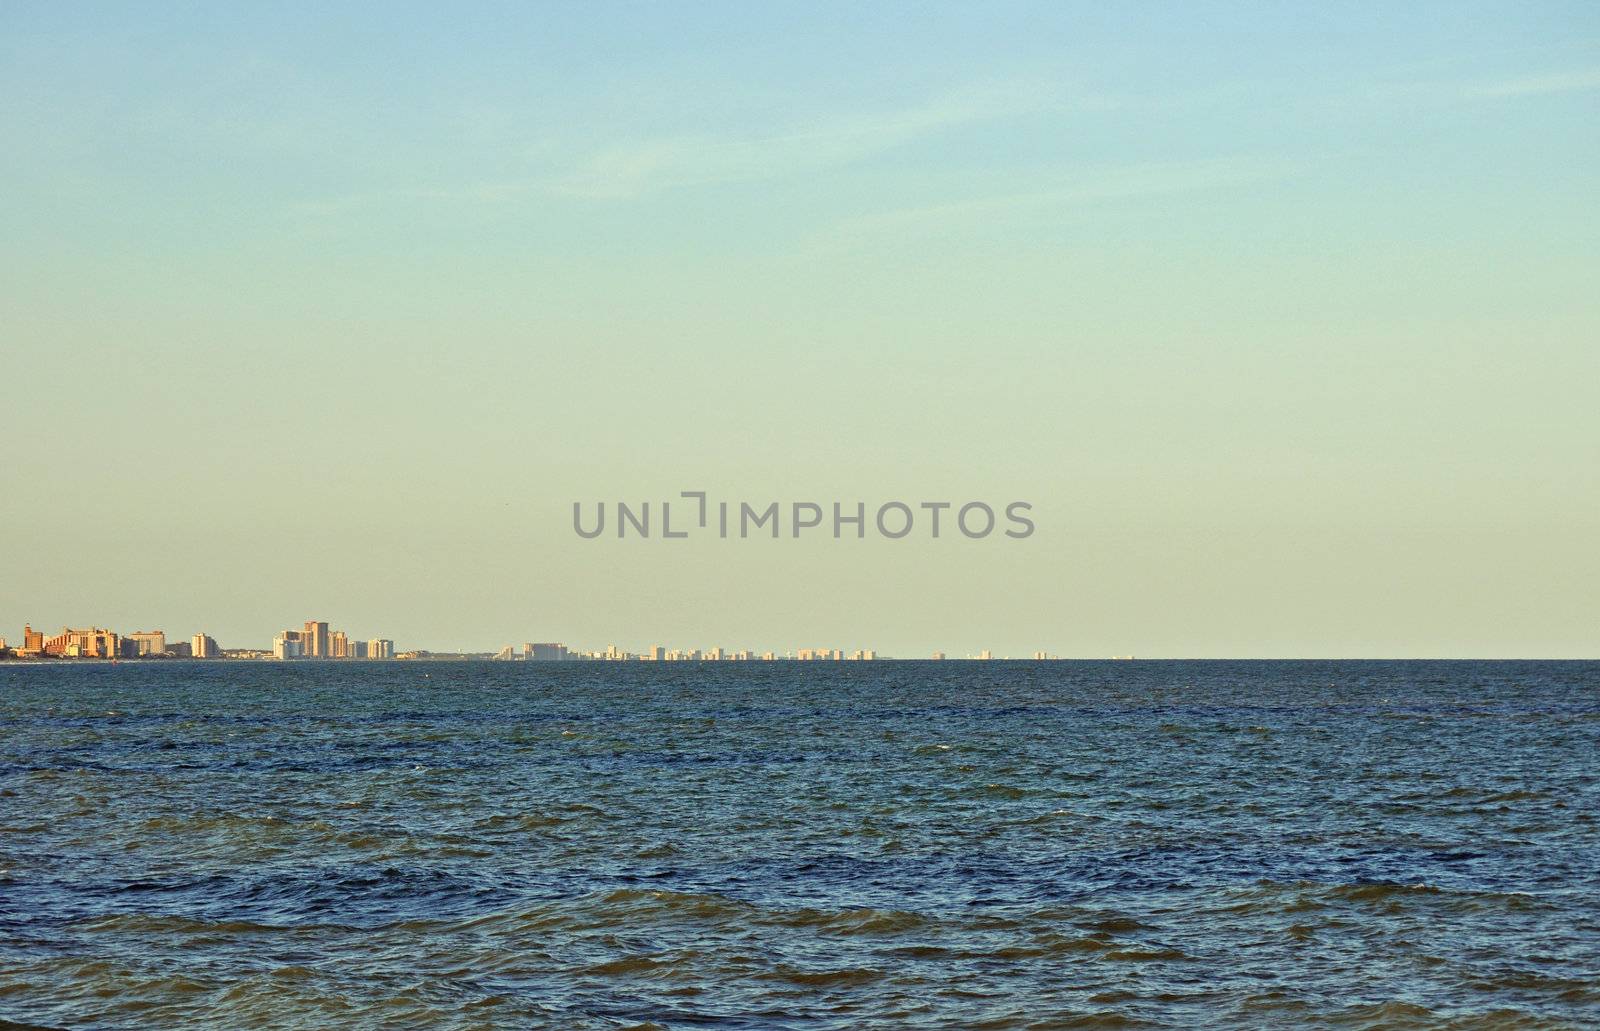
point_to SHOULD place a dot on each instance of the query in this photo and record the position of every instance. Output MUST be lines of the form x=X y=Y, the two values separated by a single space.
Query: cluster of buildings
x=561 y=653
x=550 y=652
x=316 y=641
x=100 y=643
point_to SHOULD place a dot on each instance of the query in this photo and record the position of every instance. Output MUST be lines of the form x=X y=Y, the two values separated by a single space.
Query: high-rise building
x=203 y=647
x=338 y=645
x=32 y=641
x=93 y=643
x=149 y=642
x=290 y=644
x=316 y=640
x=380 y=648
x=545 y=652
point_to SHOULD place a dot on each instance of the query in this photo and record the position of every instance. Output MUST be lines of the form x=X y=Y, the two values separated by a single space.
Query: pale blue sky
x=1284 y=317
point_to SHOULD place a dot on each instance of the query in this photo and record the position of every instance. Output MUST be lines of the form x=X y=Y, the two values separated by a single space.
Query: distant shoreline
x=57 y=660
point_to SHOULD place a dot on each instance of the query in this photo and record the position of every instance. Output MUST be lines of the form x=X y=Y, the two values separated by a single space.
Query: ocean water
x=807 y=846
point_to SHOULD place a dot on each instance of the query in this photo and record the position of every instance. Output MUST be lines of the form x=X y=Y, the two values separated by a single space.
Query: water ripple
x=1328 y=845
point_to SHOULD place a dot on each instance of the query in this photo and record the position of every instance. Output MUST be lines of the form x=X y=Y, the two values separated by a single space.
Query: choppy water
x=911 y=845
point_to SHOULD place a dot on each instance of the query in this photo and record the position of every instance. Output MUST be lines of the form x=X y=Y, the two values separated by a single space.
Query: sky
x=1283 y=318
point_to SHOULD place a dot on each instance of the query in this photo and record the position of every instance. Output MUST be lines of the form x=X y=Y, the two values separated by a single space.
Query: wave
x=823 y=978
x=1379 y=891
x=848 y=922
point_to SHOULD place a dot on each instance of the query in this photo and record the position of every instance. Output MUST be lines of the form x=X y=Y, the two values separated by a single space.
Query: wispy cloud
x=1432 y=83
x=649 y=166
x=482 y=193
x=1075 y=191
x=1537 y=85
x=653 y=166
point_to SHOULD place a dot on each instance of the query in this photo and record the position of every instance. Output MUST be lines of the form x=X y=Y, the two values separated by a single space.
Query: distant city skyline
x=1280 y=317
x=316 y=639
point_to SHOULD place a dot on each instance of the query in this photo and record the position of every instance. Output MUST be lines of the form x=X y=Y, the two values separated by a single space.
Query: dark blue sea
x=800 y=845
